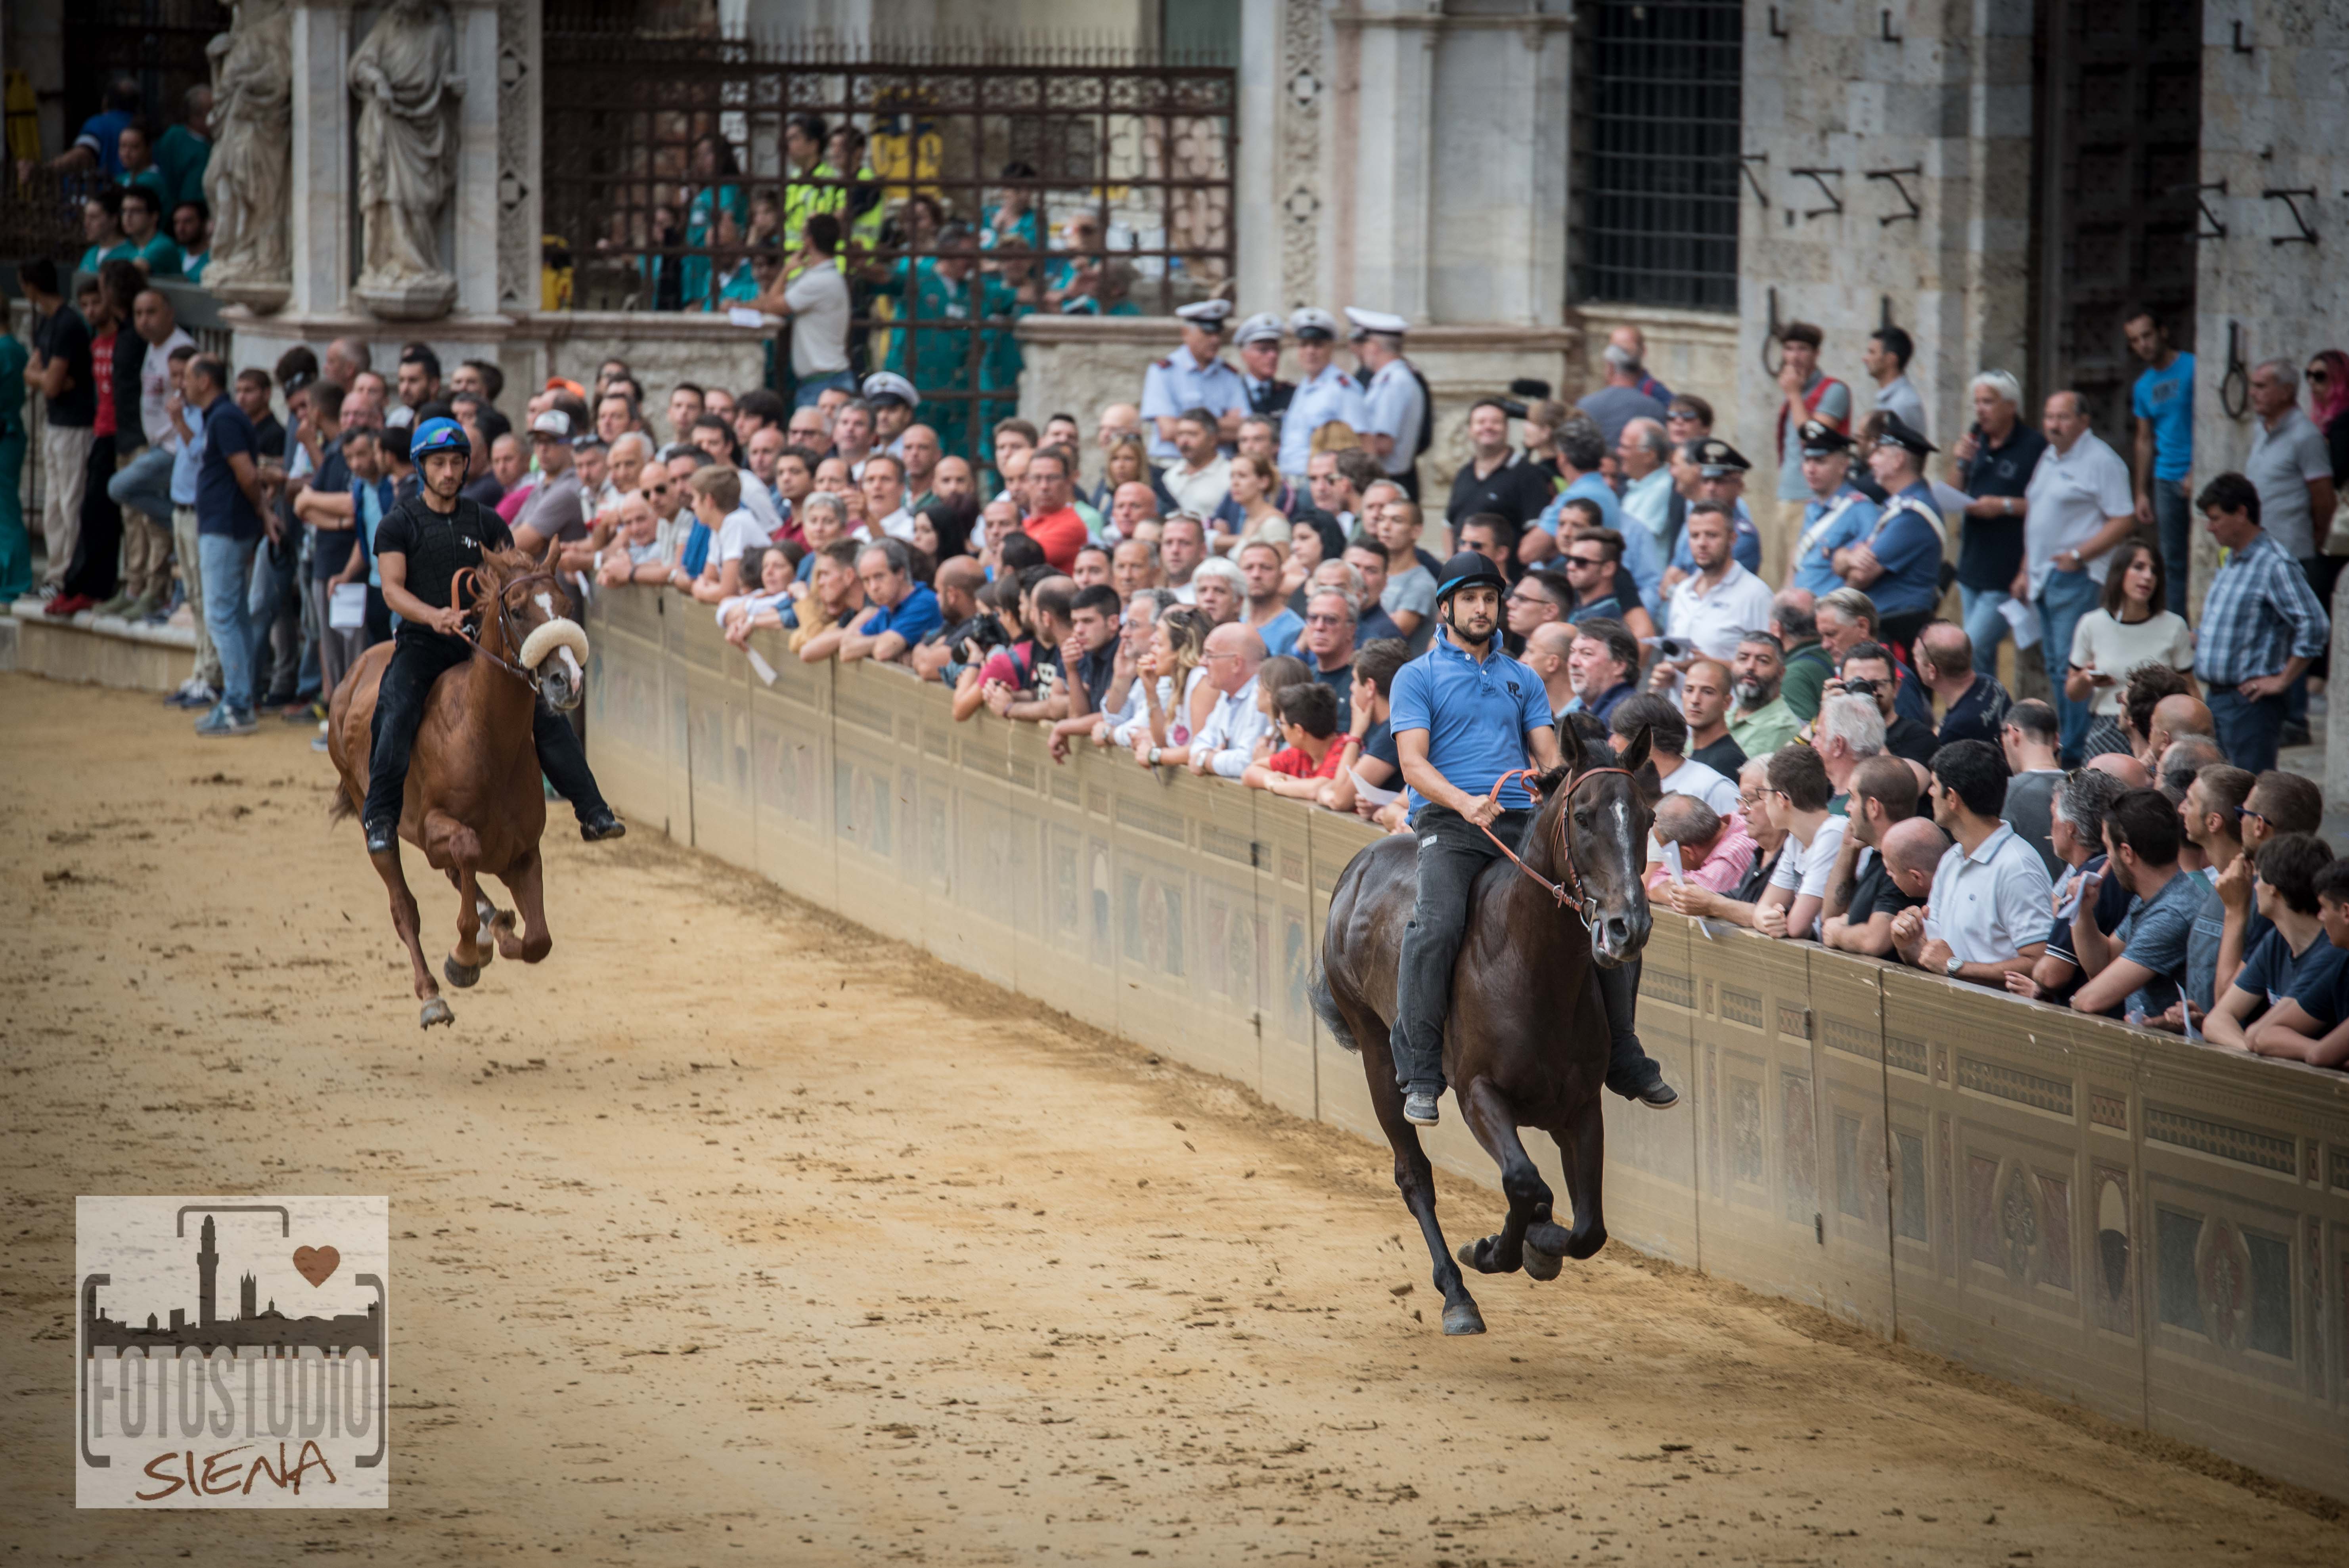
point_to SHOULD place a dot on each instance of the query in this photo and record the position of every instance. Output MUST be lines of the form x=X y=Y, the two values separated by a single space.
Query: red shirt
x=1061 y=533
x=101 y=370
x=1288 y=760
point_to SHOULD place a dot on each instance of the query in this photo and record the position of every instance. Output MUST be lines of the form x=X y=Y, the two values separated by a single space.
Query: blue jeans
x=145 y=483
x=2248 y=730
x=2065 y=600
x=2173 y=515
x=227 y=570
x=804 y=396
x=1985 y=627
x=274 y=609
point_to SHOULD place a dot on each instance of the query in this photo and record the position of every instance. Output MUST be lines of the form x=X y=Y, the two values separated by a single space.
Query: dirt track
x=733 y=1228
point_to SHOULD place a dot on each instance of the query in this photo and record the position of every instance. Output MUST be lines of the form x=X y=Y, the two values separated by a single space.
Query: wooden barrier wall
x=2152 y=1228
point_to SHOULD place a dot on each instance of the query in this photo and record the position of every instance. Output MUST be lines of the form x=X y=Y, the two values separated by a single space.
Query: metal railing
x=996 y=180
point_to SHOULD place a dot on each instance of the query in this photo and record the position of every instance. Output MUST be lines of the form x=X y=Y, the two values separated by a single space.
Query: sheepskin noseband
x=545 y=639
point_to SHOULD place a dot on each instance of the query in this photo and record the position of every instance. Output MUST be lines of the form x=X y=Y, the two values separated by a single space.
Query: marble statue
x=247 y=181
x=405 y=77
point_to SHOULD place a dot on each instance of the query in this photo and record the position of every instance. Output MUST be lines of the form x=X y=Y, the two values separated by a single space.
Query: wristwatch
x=1154 y=756
x=1953 y=966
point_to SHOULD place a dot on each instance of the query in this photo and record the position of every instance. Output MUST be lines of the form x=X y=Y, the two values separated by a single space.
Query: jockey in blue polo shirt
x=1463 y=715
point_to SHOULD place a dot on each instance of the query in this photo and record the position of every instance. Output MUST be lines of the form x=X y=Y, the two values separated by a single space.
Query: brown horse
x=1526 y=1043
x=473 y=803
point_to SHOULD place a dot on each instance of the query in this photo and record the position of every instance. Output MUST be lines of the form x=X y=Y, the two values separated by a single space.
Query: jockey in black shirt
x=419 y=548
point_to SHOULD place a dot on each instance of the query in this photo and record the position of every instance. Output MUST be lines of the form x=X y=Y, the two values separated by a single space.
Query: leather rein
x=458 y=587
x=1577 y=899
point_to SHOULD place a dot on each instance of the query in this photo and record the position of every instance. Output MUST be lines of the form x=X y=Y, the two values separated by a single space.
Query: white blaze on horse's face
x=1618 y=933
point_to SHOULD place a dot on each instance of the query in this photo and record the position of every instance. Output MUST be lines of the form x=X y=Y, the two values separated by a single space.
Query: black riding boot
x=1631 y=1071
x=564 y=762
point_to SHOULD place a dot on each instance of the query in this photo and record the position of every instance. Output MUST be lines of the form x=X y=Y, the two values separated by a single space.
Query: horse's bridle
x=457 y=591
x=1577 y=899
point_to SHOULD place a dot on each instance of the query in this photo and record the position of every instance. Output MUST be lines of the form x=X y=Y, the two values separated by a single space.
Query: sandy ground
x=734 y=1228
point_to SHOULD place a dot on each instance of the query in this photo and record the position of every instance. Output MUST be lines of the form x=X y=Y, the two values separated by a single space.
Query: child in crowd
x=1305 y=715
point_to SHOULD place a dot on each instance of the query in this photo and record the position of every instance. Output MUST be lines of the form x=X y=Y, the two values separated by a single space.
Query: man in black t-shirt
x=419 y=548
x=1992 y=462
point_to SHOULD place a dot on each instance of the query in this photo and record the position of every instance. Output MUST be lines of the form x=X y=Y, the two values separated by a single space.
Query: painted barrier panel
x=1761 y=1198
x=1845 y=1020
x=2015 y=1164
x=1284 y=957
x=1649 y=1185
x=2154 y=1229
x=718 y=701
x=2244 y=1171
x=627 y=708
x=791 y=774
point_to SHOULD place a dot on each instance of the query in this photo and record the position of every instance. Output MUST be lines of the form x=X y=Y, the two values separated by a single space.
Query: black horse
x=1526 y=1043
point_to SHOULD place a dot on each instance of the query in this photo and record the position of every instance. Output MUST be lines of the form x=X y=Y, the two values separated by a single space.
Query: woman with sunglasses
x=2328 y=406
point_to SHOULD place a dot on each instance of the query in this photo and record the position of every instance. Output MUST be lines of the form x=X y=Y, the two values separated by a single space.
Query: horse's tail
x=340 y=810
x=1325 y=1007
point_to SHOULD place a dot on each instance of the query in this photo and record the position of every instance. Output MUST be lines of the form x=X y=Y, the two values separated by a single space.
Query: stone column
x=322 y=233
x=520 y=141
x=1386 y=73
x=1256 y=173
x=473 y=211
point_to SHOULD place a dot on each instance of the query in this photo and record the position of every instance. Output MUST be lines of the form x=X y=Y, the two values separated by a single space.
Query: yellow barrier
x=2156 y=1230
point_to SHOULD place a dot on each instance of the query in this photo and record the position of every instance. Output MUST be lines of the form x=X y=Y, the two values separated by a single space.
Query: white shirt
x=739 y=532
x=819 y=302
x=154 y=387
x=1991 y=904
x=1707 y=784
x=1203 y=491
x=1803 y=868
x=1717 y=620
x=2073 y=495
x=1397 y=408
x=1231 y=732
x=899 y=524
x=759 y=503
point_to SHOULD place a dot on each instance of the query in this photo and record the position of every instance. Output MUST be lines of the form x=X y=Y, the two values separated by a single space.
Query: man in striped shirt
x=2262 y=626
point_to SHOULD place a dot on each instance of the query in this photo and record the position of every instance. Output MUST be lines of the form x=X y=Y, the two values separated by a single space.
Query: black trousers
x=416 y=663
x=96 y=569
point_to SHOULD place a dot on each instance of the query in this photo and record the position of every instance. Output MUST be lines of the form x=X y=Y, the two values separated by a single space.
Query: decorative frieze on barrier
x=1924 y=1158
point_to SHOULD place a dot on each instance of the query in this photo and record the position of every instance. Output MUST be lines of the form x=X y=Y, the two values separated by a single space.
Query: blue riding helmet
x=1465 y=569
x=439 y=436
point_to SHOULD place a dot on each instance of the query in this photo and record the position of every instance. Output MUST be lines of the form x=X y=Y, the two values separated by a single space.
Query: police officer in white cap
x=1259 y=344
x=1402 y=424
x=1193 y=376
x=1325 y=394
x=893 y=401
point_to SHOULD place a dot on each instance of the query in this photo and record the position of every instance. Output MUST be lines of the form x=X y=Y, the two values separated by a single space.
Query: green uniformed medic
x=934 y=293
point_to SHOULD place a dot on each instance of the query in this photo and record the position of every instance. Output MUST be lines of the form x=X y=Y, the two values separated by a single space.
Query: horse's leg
x=457 y=850
x=1494 y=1121
x=485 y=913
x=404 y=920
x=525 y=880
x=1414 y=1177
x=1582 y=1143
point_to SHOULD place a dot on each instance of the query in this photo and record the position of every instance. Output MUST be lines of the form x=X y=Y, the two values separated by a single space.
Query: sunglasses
x=1586 y=561
x=2318 y=372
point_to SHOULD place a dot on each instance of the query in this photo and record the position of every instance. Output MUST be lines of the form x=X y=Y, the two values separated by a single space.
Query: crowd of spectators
x=1227 y=572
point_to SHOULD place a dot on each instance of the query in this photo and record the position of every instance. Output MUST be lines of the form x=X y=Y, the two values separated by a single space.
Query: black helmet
x=1466 y=570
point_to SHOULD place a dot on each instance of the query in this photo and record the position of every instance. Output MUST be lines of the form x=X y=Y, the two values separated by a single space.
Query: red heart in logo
x=316 y=1265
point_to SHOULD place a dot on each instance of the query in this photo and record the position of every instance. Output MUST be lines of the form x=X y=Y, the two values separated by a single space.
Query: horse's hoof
x=1480 y=1255
x=1540 y=1264
x=436 y=1011
x=461 y=975
x=1461 y=1317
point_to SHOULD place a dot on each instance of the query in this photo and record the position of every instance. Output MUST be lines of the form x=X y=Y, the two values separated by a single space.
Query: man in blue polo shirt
x=1463 y=715
x=900 y=611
